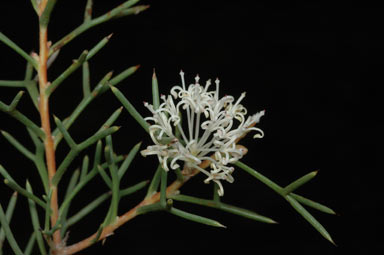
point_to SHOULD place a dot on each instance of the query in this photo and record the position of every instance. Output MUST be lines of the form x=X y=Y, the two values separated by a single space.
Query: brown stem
x=45 y=123
x=108 y=230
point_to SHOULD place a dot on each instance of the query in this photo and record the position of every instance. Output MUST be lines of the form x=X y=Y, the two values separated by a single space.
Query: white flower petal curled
x=211 y=126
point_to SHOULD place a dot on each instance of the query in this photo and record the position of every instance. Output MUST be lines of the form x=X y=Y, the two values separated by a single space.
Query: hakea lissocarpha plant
x=193 y=130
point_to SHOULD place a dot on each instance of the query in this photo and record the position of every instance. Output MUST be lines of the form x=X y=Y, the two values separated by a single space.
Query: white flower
x=213 y=127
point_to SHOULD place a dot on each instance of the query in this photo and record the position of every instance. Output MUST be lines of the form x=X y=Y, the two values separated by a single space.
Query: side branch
x=108 y=230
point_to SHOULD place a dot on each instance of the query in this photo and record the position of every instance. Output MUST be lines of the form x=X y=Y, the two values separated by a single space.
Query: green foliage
x=110 y=167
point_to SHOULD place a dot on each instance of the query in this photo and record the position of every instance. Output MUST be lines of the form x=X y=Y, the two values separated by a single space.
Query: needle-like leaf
x=301 y=210
x=18 y=145
x=155 y=92
x=8 y=217
x=155 y=182
x=130 y=108
x=195 y=218
x=35 y=222
x=127 y=162
x=8 y=233
x=12 y=45
x=299 y=182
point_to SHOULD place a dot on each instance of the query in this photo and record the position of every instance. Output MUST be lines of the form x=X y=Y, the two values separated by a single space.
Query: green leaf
x=35 y=5
x=8 y=216
x=216 y=196
x=22 y=118
x=18 y=145
x=130 y=108
x=40 y=160
x=155 y=182
x=111 y=119
x=133 y=189
x=299 y=182
x=88 y=209
x=163 y=188
x=98 y=47
x=313 y=204
x=115 y=177
x=30 y=244
x=12 y=84
x=12 y=45
x=88 y=11
x=70 y=188
x=74 y=152
x=84 y=167
x=123 y=75
x=75 y=65
x=8 y=233
x=9 y=181
x=260 y=177
x=308 y=217
x=224 y=207
x=44 y=17
x=127 y=162
x=86 y=79
x=155 y=92
x=67 y=137
x=91 y=23
x=105 y=177
x=35 y=222
x=134 y=10
x=195 y=218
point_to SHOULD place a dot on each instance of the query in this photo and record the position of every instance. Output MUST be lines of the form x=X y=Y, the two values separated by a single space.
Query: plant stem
x=44 y=116
x=108 y=230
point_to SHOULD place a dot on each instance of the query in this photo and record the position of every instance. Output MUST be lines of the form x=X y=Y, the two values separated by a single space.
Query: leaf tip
x=109 y=36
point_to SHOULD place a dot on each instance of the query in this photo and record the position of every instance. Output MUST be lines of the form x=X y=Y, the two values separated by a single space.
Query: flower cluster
x=213 y=127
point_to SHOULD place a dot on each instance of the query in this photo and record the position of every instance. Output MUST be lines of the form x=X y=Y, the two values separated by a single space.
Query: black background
x=305 y=63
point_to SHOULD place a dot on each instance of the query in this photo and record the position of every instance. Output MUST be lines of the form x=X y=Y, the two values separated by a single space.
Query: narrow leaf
x=12 y=45
x=8 y=216
x=163 y=188
x=87 y=209
x=133 y=189
x=9 y=181
x=86 y=79
x=308 y=217
x=88 y=11
x=98 y=47
x=115 y=177
x=155 y=92
x=75 y=65
x=72 y=144
x=195 y=218
x=134 y=10
x=12 y=84
x=155 y=182
x=18 y=145
x=130 y=108
x=127 y=162
x=224 y=207
x=35 y=222
x=30 y=244
x=123 y=75
x=299 y=182
x=44 y=17
x=260 y=177
x=84 y=167
x=8 y=233
x=23 y=119
x=313 y=204
x=104 y=176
